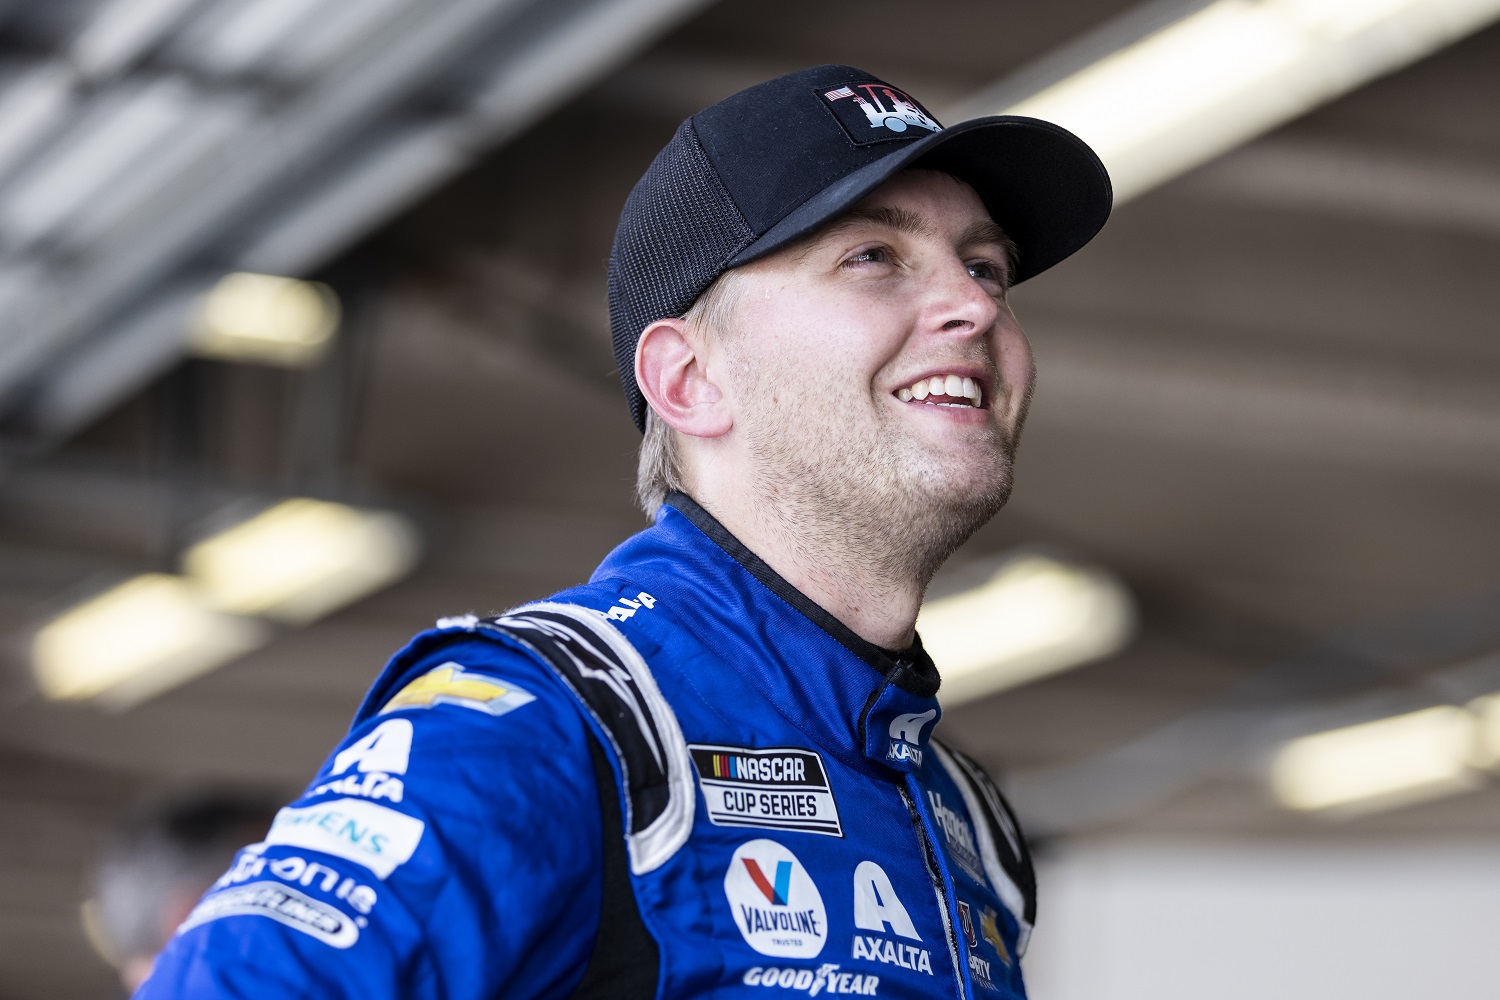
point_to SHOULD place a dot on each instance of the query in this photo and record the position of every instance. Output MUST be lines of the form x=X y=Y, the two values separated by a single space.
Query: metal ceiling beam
x=1357 y=182
x=348 y=165
x=1267 y=400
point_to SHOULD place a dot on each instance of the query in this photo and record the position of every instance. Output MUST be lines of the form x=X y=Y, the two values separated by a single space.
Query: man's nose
x=960 y=303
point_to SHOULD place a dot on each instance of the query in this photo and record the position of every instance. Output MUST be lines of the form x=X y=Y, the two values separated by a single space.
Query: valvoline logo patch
x=775 y=902
x=776 y=892
x=872 y=112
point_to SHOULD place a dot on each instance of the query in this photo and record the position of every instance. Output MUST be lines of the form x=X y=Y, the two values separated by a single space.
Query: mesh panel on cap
x=678 y=229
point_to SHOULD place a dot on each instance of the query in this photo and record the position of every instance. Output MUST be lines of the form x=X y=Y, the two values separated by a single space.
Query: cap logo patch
x=877 y=112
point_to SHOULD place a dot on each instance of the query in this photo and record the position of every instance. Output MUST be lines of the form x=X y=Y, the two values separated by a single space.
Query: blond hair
x=659 y=468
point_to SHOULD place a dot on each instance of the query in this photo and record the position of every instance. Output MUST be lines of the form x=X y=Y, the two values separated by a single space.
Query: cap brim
x=1041 y=183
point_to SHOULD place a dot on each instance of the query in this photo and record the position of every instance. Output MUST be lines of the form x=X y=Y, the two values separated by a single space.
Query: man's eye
x=874 y=255
x=983 y=270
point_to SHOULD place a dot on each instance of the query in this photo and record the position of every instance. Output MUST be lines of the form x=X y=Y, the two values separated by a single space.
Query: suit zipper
x=939 y=886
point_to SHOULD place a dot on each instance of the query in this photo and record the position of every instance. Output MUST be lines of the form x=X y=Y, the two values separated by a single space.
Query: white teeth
x=952 y=386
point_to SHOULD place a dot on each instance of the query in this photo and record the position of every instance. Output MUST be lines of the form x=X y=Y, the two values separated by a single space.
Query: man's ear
x=671 y=367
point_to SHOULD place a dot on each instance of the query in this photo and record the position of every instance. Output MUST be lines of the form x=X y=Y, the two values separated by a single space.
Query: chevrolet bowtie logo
x=451 y=684
x=991 y=933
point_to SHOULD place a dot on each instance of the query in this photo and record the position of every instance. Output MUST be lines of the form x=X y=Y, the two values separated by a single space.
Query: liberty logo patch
x=775 y=902
x=979 y=968
x=876 y=112
x=779 y=788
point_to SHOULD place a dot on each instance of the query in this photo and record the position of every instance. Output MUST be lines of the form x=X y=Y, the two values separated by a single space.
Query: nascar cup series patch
x=777 y=788
x=451 y=684
x=874 y=112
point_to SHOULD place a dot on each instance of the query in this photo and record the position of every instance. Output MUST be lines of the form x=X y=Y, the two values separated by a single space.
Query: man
x=710 y=770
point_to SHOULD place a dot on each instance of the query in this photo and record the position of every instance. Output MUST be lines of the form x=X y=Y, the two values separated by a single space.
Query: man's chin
x=964 y=477
x=965 y=497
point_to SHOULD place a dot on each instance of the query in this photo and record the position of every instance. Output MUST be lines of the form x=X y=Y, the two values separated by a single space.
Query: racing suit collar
x=910 y=669
x=860 y=700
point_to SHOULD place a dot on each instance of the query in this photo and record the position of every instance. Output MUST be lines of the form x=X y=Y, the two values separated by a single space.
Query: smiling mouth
x=944 y=390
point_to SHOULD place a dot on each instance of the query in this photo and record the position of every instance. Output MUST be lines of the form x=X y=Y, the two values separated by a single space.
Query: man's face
x=879 y=378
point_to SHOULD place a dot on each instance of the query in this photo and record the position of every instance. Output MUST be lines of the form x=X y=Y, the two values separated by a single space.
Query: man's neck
x=856 y=587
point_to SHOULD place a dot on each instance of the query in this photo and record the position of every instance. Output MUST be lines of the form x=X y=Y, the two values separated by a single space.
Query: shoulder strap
x=625 y=963
x=614 y=685
x=1002 y=847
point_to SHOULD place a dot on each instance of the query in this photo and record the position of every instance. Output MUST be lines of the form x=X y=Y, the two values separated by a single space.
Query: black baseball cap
x=773 y=163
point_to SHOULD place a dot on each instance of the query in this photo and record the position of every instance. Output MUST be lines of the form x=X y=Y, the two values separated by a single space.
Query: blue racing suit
x=681 y=779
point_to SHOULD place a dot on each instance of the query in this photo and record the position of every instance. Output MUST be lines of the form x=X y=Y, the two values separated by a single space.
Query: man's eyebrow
x=983 y=232
x=897 y=219
x=987 y=232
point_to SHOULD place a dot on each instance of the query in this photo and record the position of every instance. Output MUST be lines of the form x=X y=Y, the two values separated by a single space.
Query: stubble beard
x=866 y=496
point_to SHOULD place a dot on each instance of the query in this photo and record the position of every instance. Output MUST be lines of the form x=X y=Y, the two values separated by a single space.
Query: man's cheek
x=1017 y=366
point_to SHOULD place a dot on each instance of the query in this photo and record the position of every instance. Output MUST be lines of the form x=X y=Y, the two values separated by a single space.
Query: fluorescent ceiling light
x=144 y=636
x=1380 y=764
x=1487 y=716
x=1036 y=616
x=1231 y=71
x=302 y=559
x=268 y=319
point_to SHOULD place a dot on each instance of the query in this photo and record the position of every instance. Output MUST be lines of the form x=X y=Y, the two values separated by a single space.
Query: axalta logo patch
x=779 y=788
x=878 y=908
x=381 y=839
x=775 y=902
x=906 y=737
x=381 y=753
x=451 y=684
x=282 y=904
x=873 y=112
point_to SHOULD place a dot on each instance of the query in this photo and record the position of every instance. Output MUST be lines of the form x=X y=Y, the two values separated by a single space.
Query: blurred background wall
x=303 y=344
